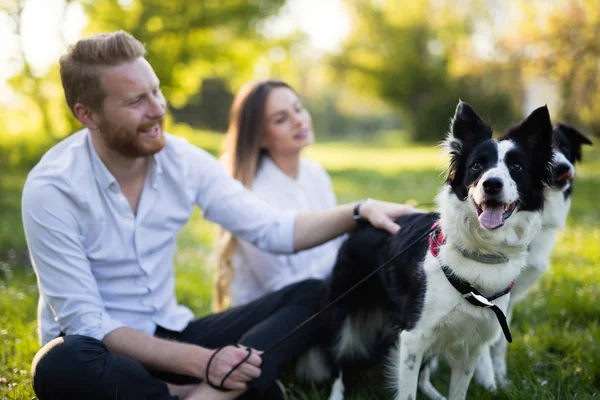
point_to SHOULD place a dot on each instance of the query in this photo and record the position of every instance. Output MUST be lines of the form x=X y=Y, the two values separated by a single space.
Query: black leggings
x=80 y=367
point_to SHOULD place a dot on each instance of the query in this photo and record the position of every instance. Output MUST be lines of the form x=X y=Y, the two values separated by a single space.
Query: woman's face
x=287 y=124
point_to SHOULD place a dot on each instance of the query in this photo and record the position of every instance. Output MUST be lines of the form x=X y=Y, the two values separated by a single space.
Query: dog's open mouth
x=492 y=214
x=562 y=180
x=567 y=176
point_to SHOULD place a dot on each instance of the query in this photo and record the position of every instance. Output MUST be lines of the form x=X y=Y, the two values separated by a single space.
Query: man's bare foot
x=205 y=392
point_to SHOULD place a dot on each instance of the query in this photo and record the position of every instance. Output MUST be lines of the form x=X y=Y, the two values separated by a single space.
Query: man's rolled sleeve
x=227 y=202
x=53 y=220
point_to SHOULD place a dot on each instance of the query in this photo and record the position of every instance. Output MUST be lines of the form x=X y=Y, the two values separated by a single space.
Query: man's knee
x=62 y=361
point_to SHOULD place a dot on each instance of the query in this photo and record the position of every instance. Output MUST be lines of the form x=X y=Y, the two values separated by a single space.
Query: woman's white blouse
x=258 y=272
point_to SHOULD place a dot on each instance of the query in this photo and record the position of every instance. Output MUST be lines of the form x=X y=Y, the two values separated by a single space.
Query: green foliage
x=556 y=329
x=405 y=52
x=561 y=43
x=188 y=41
x=208 y=109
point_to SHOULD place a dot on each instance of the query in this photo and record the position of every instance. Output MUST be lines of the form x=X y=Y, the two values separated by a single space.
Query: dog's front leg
x=410 y=356
x=425 y=384
x=463 y=366
x=484 y=372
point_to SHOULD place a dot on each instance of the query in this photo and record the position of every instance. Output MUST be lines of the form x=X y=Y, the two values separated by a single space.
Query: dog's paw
x=484 y=371
x=503 y=381
x=500 y=373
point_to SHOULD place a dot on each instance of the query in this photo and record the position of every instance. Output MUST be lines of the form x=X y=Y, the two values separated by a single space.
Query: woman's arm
x=317 y=227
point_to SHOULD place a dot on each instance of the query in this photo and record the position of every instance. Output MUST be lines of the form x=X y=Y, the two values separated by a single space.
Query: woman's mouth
x=303 y=134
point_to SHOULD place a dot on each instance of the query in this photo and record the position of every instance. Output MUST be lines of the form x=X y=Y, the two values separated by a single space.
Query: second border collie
x=447 y=297
x=567 y=151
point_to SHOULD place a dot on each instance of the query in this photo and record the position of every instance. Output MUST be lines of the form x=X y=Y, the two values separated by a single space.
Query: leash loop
x=221 y=386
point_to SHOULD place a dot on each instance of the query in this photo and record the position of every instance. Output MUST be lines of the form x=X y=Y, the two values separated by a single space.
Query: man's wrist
x=197 y=361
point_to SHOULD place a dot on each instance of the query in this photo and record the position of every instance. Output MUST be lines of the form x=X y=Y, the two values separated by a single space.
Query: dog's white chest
x=450 y=322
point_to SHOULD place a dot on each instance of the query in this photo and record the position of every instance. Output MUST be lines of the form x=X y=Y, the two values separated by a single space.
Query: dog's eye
x=515 y=167
x=476 y=166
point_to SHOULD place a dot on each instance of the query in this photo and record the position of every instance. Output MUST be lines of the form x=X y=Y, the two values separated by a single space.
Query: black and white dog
x=567 y=150
x=447 y=297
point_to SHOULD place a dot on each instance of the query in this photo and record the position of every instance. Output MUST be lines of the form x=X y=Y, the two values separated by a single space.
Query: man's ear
x=85 y=115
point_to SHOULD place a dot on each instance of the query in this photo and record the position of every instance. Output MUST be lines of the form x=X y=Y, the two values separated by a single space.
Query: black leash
x=312 y=317
x=341 y=296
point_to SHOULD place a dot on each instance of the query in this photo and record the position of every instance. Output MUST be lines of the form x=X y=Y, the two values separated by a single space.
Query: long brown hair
x=241 y=154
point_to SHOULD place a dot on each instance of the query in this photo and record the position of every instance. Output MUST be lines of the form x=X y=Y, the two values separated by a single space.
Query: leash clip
x=480 y=300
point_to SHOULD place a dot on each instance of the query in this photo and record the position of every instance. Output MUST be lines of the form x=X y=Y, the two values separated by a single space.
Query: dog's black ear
x=534 y=134
x=576 y=139
x=536 y=130
x=468 y=127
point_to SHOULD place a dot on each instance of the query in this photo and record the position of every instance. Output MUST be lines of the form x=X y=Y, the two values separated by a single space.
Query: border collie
x=447 y=297
x=567 y=150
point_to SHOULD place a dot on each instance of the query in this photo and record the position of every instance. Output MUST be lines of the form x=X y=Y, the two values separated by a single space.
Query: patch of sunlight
x=207 y=140
x=335 y=156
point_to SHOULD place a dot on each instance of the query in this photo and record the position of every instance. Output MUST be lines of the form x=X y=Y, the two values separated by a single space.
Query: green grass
x=556 y=330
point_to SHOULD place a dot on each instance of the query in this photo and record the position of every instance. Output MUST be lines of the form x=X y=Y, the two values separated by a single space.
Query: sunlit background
x=381 y=79
x=362 y=67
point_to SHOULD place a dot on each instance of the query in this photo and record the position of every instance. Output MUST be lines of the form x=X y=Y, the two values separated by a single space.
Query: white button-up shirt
x=99 y=265
x=257 y=272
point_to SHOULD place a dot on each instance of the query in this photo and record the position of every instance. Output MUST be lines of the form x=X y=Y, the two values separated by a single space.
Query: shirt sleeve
x=228 y=203
x=270 y=271
x=52 y=222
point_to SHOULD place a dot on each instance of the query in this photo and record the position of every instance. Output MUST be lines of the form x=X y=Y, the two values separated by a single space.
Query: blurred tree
x=209 y=108
x=190 y=40
x=562 y=42
x=406 y=53
x=186 y=42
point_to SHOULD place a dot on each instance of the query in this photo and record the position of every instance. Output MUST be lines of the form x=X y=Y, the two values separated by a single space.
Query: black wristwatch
x=356 y=214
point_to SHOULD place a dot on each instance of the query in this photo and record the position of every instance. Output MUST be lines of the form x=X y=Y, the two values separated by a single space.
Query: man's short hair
x=81 y=66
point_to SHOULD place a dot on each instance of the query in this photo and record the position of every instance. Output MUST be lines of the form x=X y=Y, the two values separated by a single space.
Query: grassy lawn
x=556 y=330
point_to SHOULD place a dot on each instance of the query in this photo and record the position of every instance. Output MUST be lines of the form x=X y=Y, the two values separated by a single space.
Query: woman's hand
x=382 y=214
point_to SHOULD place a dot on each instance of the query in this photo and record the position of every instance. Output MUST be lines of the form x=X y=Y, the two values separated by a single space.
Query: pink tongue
x=492 y=218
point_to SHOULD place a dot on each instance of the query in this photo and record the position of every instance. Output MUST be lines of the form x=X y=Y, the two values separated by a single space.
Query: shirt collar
x=273 y=170
x=105 y=178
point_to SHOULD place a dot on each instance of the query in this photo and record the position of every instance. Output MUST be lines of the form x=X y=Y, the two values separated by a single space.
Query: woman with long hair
x=268 y=129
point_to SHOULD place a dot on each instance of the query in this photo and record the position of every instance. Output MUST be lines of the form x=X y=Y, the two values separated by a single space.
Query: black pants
x=80 y=367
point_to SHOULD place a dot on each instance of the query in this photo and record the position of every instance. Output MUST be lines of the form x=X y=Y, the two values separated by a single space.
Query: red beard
x=130 y=143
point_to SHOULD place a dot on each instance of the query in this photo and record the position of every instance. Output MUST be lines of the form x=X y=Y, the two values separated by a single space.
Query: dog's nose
x=492 y=186
x=562 y=172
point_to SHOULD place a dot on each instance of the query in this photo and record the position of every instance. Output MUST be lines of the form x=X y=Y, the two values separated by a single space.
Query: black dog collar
x=473 y=296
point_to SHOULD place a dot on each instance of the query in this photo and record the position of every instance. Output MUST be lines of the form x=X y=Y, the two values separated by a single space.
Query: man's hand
x=229 y=357
x=382 y=214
